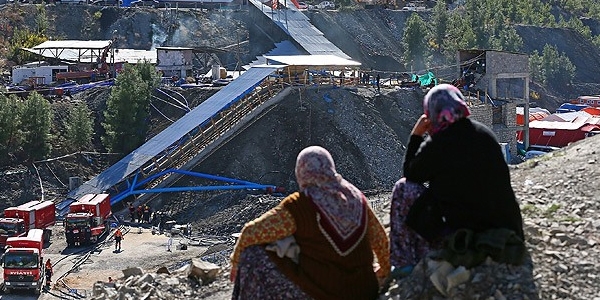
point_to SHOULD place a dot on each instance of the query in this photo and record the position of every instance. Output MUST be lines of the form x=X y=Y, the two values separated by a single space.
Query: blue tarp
x=569 y=107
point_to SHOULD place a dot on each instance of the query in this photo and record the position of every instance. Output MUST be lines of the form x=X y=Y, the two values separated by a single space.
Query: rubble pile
x=183 y=283
x=433 y=279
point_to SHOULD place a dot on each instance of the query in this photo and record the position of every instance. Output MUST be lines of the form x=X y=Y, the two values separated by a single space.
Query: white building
x=37 y=73
x=174 y=61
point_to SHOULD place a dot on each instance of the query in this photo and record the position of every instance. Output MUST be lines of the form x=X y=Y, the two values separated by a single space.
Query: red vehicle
x=22 y=262
x=87 y=219
x=19 y=220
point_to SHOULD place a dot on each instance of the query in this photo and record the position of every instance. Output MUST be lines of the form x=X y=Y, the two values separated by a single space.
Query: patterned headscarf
x=341 y=207
x=444 y=104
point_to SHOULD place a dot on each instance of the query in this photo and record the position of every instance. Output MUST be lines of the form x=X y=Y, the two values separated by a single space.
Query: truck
x=17 y=221
x=23 y=262
x=88 y=219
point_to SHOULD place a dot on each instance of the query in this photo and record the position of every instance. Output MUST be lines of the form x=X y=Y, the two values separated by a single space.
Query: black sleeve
x=419 y=162
x=411 y=150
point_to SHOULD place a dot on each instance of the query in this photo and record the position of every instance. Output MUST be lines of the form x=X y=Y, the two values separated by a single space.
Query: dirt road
x=77 y=269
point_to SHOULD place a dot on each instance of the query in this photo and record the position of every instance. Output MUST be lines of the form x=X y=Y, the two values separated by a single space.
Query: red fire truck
x=19 y=220
x=23 y=262
x=87 y=219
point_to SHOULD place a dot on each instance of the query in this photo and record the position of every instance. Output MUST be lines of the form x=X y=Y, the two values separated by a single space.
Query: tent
x=427 y=79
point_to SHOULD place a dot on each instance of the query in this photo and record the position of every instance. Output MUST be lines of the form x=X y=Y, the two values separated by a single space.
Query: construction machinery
x=84 y=73
x=17 y=221
x=23 y=262
x=87 y=220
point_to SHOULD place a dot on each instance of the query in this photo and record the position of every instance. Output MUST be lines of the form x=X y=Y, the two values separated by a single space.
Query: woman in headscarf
x=455 y=177
x=318 y=243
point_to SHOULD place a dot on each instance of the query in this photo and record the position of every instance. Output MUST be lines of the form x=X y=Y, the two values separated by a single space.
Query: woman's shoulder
x=292 y=198
x=483 y=129
x=296 y=201
x=467 y=126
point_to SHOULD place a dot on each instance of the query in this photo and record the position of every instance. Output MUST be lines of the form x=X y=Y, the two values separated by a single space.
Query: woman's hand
x=422 y=126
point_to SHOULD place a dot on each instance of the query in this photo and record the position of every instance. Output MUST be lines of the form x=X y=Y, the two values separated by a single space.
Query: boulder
x=203 y=270
x=136 y=271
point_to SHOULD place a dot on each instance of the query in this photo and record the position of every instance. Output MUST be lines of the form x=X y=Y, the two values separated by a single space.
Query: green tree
x=41 y=20
x=507 y=39
x=36 y=122
x=128 y=108
x=577 y=25
x=551 y=67
x=596 y=40
x=557 y=67
x=535 y=67
x=79 y=127
x=413 y=41
x=24 y=38
x=148 y=74
x=10 y=138
x=477 y=20
x=440 y=23
x=532 y=12
x=459 y=36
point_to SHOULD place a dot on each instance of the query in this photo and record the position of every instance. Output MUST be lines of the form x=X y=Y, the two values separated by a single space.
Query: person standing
x=48 y=272
x=317 y=243
x=170 y=242
x=377 y=80
x=140 y=211
x=131 y=212
x=118 y=239
x=147 y=212
x=468 y=181
x=365 y=78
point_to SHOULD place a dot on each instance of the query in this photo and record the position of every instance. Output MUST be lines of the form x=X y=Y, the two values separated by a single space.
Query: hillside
x=372 y=37
x=562 y=236
x=365 y=133
x=369 y=36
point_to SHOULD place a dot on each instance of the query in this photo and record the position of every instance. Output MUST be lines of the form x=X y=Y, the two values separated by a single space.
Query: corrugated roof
x=311 y=60
x=73 y=44
x=65 y=54
x=121 y=55
x=574 y=125
x=172 y=135
x=284 y=48
x=298 y=27
x=132 y=56
x=567 y=117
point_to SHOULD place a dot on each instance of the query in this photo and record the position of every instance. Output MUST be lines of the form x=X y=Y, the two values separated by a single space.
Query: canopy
x=426 y=79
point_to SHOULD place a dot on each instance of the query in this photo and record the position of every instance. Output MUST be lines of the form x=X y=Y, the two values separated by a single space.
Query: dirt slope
x=356 y=126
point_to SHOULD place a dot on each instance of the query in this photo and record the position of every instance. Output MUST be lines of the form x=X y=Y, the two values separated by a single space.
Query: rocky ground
x=559 y=208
